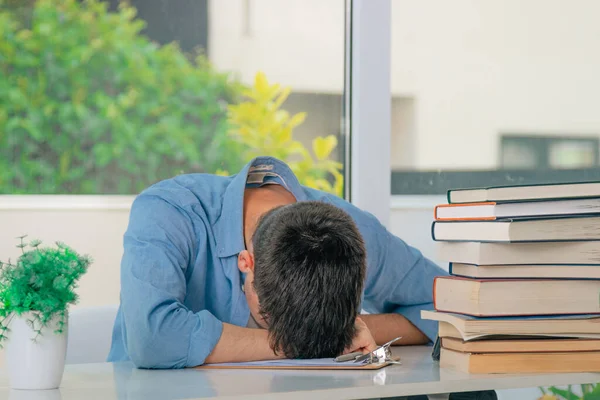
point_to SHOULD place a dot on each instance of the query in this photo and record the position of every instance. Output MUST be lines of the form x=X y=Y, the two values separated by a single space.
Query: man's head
x=305 y=274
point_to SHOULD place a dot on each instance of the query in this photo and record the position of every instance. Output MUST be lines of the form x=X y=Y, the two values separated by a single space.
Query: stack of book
x=523 y=293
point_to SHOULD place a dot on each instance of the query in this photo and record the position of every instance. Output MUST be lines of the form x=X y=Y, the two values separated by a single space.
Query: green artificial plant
x=41 y=283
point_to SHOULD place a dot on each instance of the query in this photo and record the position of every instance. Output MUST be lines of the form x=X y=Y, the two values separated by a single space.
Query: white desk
x=418 y=375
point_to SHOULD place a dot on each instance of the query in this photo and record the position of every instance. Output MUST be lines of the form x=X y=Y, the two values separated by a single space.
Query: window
x=493 y=93
x=531 y=152
x=109 y=97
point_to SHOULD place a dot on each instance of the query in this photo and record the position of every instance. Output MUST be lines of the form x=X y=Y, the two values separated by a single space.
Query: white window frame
x=367 y=119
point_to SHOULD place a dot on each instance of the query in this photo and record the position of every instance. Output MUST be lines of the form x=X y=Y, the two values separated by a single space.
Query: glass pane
x=109 y=97
x=467 y=74
x=518 y=155
x=572 y=154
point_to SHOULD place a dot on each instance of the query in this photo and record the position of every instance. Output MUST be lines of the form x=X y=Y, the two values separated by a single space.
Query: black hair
x=310 y=263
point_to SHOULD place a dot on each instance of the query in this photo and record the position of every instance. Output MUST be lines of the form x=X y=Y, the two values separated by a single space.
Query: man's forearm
x=386 y=327
x=239 y=344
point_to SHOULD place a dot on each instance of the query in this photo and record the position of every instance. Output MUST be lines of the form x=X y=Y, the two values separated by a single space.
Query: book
x=470 y=327
x=555 y=253
x=492 y=210
x=497 y=297
x=519 y=230
x=525 y=271
x=447 y=330
x=525 y=192
x=529 y=345
x=507 y=363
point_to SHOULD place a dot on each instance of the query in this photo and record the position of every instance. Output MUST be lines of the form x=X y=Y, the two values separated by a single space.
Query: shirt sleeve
x=399 y=277
x=159 y=245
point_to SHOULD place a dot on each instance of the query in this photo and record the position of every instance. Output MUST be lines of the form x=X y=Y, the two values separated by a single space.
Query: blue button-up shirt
x=179 y=274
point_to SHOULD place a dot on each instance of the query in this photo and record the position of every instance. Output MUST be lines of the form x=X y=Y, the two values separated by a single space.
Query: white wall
x=295 y=42
x=95 y=225
x=404 y=133
x=473 y=68
x=411 y=219
x=478 y=68
x=91 y=225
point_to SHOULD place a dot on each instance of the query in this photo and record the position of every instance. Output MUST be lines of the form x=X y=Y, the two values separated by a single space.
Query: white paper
x=315 y=362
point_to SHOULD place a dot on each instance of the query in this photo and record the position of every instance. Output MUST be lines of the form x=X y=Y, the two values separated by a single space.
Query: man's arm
x=239 y=344
x=161 y=332
x=386 y=327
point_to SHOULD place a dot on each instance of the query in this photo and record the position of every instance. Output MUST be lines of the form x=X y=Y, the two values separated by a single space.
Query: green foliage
x=588 y=392
x=89 y=105
x=43 y=282
x=565 y=393
x=264 y=128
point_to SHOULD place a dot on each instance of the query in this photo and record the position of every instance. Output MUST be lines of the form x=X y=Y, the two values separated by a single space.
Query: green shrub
x=89 y=105
x=264 y=128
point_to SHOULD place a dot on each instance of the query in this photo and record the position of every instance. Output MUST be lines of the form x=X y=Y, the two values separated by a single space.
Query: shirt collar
x=229 y=228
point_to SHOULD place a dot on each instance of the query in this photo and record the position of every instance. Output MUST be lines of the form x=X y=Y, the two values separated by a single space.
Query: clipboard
x=379 y=358
x=348 y=366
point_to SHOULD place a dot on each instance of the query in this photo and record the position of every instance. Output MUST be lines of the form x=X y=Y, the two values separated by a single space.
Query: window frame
x=436 y=183
x=543 y=145
x=367 y=108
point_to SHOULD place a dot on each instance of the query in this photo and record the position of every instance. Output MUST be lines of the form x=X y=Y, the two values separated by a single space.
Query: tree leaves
x=566 y=394
x=323 y=146
x=265 y=129
x=88 y=104
x=589 y=392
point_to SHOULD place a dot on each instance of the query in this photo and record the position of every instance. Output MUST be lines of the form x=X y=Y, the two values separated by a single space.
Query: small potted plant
x=35 y=292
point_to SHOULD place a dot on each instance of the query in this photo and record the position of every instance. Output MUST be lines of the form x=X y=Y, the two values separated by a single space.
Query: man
x=256 y=266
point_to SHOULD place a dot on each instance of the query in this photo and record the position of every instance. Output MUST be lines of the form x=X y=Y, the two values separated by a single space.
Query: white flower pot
x=35 y=364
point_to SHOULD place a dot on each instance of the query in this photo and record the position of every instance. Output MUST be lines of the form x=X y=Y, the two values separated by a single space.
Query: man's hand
x=363 y=340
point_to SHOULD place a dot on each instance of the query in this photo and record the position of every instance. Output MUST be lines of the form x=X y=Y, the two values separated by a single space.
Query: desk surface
x=418 y=375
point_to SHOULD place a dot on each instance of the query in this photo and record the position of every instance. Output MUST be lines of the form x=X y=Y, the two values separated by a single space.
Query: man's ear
x=246 y=262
